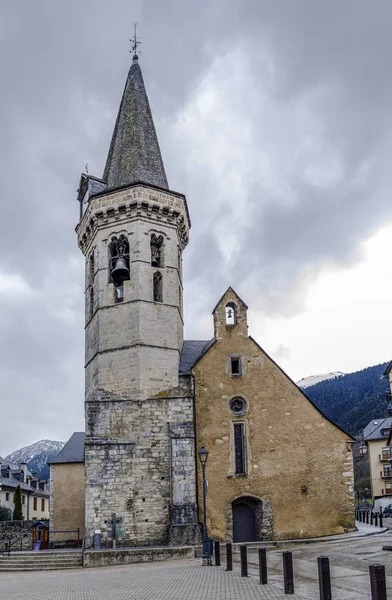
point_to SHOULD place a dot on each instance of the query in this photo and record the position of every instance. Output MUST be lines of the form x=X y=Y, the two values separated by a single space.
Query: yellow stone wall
x=67 y=496
x=297 y=461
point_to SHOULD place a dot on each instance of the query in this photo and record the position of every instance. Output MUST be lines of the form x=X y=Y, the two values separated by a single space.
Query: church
x=277 y=468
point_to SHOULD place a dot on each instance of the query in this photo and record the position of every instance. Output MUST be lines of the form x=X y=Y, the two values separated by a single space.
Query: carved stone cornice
x=130 y=204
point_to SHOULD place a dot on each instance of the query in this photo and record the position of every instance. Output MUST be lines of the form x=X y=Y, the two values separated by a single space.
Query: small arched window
x=231 y=314
x=157 y=287
x=156 y=244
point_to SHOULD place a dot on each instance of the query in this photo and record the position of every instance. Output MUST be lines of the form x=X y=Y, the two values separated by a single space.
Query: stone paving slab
x=187 y=579
x=177 y=580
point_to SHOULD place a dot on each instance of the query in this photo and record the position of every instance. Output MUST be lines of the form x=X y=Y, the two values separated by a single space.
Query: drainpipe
x=195 y=444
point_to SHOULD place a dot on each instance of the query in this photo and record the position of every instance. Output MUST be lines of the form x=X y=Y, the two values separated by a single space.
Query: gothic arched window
x=157 y=287
x=231 y=313
x=156 y=244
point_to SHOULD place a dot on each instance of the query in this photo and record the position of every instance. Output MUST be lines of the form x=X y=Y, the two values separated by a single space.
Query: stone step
x=36 y=562
x=38 y=557
x=31 y=560
x=41 y=562
x=40 y=568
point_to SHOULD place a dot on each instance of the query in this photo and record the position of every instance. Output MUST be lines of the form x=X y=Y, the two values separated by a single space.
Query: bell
x=120 y=272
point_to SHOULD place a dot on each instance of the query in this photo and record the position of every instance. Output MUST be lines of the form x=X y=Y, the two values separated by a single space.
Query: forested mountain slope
x=352 y=400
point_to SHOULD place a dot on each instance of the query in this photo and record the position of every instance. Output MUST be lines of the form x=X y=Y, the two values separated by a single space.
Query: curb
x=283 y=543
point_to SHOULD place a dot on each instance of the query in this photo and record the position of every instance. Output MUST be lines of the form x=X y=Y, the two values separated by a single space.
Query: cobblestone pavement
x=349 y=562
x=175 y=580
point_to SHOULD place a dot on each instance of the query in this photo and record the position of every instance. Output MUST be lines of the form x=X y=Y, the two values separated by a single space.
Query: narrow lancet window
x=231 y=314
x=156 y=245
x=91 y=273
x=239 y=448
x=157 y=287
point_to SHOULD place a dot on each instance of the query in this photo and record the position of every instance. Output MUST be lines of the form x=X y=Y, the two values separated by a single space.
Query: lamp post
x=203 y=455
x=362 y=452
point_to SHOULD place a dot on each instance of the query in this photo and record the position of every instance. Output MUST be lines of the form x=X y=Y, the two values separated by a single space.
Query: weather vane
x=135 y=43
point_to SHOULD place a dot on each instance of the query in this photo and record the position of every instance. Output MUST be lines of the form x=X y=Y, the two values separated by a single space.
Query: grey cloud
x=63 y=68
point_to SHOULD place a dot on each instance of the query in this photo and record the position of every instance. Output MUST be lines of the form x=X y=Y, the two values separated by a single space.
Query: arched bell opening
x=231 y=313
x=119 y=265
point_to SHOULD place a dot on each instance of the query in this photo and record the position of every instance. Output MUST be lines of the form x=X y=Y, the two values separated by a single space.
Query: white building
x=35 y=493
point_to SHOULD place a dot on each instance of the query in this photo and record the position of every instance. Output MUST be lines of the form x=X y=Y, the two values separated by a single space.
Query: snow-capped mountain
x=313 y=379
x=36 y=456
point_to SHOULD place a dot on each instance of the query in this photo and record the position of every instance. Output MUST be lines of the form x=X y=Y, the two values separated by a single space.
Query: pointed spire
x=134 y=153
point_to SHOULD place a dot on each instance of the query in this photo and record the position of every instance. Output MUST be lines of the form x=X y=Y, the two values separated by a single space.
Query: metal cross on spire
x=135 y=43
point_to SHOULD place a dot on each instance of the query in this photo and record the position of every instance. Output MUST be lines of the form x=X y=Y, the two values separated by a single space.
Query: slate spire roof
x=134 y=153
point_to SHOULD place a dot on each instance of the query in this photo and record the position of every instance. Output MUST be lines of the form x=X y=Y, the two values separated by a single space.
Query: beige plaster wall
x=376 y=466
x=68 y=499
x=296 y=458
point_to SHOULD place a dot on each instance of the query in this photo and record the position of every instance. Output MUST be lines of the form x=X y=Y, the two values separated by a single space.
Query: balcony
x=385 y=454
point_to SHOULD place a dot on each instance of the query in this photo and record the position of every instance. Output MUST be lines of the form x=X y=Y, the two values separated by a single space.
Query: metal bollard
x=263 y=566
x=371 y=517
x=217 y=554
x=244 y=561
x=288 y=575
x=367 y=517
x=380 y=518
x=360 y=516
x=324 y=577
x=376 y=519
x=229 y=557
x=378 y=586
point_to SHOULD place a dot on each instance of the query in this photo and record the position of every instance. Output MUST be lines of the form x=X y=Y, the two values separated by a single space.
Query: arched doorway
x=244 y=520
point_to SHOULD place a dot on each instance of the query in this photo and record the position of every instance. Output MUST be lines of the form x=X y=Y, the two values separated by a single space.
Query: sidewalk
x=363 y=530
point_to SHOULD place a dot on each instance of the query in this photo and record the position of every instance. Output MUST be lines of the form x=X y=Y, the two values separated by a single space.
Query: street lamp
x=203 y=455
x=363 y=449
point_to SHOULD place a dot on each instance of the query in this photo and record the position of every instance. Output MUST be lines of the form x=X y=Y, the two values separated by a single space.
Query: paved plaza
x=186 y=579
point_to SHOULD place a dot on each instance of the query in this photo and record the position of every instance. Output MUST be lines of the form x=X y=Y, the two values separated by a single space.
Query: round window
x=238 y=405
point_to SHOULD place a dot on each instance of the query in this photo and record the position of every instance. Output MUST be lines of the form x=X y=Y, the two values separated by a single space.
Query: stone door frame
x=263 y=514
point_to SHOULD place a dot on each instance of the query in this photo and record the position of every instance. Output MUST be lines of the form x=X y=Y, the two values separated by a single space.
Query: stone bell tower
x=132 y=232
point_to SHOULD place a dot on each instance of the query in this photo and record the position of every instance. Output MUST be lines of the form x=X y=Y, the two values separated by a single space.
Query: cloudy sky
x=274 y=118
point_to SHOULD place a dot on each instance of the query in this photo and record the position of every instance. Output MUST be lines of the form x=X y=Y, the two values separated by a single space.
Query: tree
x=5 y=514
x=18 y=514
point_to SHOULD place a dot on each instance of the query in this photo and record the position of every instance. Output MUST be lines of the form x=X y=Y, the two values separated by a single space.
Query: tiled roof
x=73 y=451
x=12 y=482
x=373 y=430
x=134 y=153
x=192 y=351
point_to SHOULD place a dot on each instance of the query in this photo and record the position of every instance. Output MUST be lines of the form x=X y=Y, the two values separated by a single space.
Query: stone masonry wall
x=298 y=464
x=118 y=333
x=129 y=467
